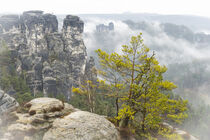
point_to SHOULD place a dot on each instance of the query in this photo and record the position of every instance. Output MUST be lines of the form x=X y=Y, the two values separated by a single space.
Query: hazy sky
x=189 y=7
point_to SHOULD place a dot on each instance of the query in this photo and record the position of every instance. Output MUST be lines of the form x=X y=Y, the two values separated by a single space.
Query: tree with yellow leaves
x=89 y=90
x=110 y=71
x=142 y=77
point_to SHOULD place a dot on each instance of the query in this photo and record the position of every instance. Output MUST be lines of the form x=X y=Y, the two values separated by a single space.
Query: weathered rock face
x=7 y=106
x=7 y=103
x=82 y=125
x=52 y=61
x=44 y=105
x=90 y=71
x=51 y=119
x=38 y=118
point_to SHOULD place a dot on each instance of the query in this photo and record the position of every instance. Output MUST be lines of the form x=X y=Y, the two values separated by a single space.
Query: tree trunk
x=124 y=122
x=90 y=103
x=117 y=110
x=143 y=121
x=117 y=106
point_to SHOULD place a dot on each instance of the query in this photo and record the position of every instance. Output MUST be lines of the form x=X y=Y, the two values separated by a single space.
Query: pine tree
x=110 y=72
x=142 y=76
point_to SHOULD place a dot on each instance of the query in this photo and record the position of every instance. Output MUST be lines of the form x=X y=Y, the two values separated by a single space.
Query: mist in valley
x=187 y=60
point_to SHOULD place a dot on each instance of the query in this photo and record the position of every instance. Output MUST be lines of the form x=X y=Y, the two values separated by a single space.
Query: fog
x=187 y=62
x=120 y=36
x=168 y=49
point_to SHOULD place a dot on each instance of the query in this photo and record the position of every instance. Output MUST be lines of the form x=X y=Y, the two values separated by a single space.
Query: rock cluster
x=52 y=61
x=51 y=119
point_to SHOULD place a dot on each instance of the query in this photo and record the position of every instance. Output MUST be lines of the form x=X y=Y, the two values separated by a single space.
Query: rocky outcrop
x=44 y=105
x=7 y=103
x=51 y=119
x=184 y=135
x=52 y=61
x=82 y=125
x=7 y=106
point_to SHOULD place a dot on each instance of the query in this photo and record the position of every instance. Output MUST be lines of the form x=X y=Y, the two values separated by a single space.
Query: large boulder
x=82 y=125
x=44 y=105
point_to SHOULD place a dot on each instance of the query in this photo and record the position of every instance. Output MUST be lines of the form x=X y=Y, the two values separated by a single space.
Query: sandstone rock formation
x=52 y=61
x=7 y=106
x=7 y=103
x=105 y=28
x=183 y=134
x=41 y=113
x=51 y=119
x=44 y=105
x=82 y=125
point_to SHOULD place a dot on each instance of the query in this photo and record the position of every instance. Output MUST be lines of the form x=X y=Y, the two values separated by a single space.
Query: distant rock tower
x=104 y=28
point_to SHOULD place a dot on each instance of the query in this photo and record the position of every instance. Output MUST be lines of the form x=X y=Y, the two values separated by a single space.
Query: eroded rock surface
x=38 y=118
x=7 y=106
x=7 y=103
x=44 y=105
x=52 y=61
x=82 y=125
x=51 y=119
